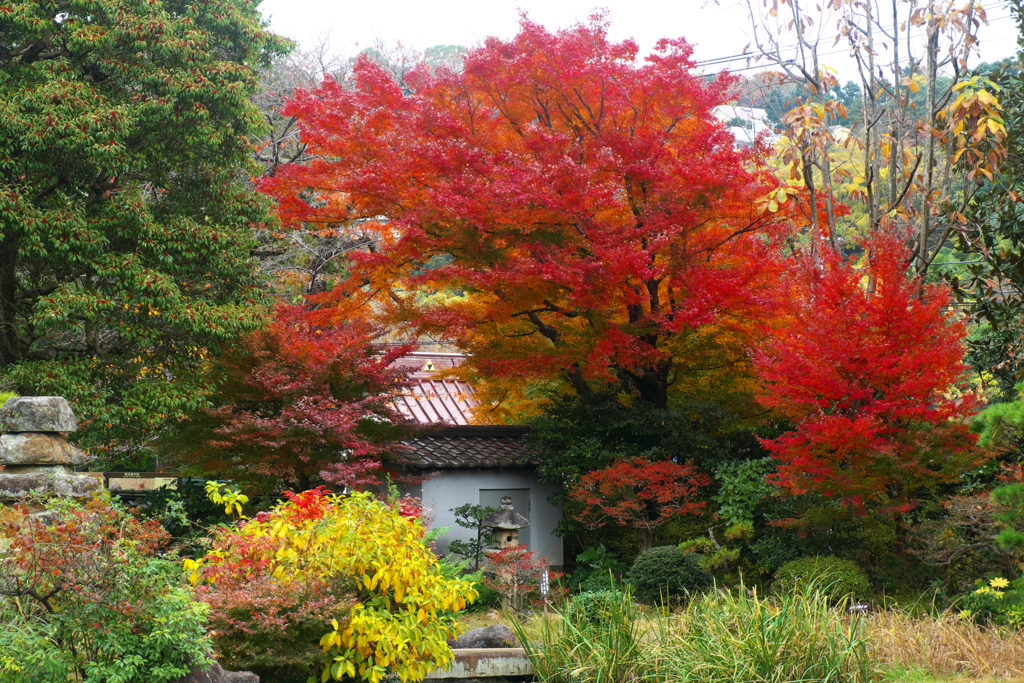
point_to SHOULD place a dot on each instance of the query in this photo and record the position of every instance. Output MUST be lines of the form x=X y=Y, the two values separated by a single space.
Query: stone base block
x=19 y=485
x=37 y=414
x=36 y=448
x=38 y=469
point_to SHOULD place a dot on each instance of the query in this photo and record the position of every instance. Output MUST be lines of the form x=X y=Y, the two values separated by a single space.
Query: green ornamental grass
x=721 y=636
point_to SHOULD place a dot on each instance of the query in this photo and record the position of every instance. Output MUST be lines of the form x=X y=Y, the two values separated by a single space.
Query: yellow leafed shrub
x=401 y=616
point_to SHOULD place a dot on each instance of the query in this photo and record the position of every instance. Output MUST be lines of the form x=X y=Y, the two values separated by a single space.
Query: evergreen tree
x=126 y=207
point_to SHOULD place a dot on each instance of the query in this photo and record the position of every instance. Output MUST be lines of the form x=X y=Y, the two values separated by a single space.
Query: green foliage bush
x=665 y=573
x=598 y=569
x=27 y=655
x=835 y=578
x=593 y=607
x=741 y=487
x=87 y=596
x=598 y=582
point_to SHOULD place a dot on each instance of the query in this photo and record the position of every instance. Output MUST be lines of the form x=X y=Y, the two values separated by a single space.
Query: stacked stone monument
x=36 y=457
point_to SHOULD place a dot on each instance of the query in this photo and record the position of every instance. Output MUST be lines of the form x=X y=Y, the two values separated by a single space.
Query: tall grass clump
x=721 y=636
x=601 y=644
x=739 y=638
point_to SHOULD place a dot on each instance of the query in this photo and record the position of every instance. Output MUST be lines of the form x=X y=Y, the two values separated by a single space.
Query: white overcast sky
x=716 y=29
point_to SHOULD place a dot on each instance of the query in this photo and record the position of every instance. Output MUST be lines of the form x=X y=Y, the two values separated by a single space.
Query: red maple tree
x=638 y=493
x=573 y=212
x=299 y=403
x=867 y=363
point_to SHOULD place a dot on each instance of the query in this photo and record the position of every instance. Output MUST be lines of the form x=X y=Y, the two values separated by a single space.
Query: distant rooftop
x=429 y=400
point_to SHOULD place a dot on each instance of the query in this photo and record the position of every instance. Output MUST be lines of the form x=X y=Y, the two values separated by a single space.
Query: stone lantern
x=505 y=525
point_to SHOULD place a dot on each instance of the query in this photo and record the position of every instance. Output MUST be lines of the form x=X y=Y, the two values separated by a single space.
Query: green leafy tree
x=126 y=208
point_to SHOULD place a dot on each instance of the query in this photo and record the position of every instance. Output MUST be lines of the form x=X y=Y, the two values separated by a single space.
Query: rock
x=491 y=636
x=37 y=414
x=74 y=485
x=38 y=449
x=38 y=469
x=215 y=673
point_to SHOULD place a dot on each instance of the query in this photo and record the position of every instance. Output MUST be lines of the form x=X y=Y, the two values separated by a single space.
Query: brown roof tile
x=471 y=447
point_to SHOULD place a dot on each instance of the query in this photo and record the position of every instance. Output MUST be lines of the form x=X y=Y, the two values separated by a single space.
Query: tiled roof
x=470 y=447
x=427 y=401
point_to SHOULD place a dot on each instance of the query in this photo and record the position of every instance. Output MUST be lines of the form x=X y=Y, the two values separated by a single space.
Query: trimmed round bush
x=593 y=607
x=665 y=573
x=598 y=581
x=835 y=578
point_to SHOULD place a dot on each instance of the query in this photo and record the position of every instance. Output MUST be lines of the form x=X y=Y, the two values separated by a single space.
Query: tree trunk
x=646 y=536
x=12 y=344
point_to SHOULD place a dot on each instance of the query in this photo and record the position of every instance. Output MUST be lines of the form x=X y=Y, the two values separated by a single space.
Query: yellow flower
x=999 y=583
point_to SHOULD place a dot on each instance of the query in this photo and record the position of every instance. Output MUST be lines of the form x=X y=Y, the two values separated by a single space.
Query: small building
x=466 y=463
x=481 y=464
x=745 y=124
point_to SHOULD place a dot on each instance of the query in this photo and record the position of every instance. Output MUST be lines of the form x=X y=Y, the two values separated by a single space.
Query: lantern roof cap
x=505 y=517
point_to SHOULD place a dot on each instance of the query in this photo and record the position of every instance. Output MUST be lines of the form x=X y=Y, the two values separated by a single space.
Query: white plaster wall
x=452 y=488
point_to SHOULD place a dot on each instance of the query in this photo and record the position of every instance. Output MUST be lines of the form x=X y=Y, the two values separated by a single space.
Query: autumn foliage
x=515 y=573
x=87 y=595
x=297 y=403
x=382 y=597
x=572 y=212
x=867 y=364
x=639 y=493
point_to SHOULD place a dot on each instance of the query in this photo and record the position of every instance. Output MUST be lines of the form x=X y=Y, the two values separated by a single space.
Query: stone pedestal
x=36 y=457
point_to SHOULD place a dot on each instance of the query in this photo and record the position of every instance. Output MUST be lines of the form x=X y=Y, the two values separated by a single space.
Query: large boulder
x=490 y=636
x=38 y=449
x=215 y=673
x=37 y=414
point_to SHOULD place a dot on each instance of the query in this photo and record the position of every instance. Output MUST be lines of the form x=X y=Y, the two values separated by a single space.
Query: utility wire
x=751 y=55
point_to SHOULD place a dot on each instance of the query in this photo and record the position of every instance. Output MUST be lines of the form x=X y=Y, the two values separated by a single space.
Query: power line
x=713 y=61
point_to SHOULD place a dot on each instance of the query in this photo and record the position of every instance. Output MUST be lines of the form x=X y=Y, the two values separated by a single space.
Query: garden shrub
x=27 y=655
x=515 y=574
x=599 y=582
x=273 y=627
x=665 y=573
x=383 y=602
x=593 y=607
x=487 y=597
x=598 y=569
x=837 y=579
x=87 y=596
